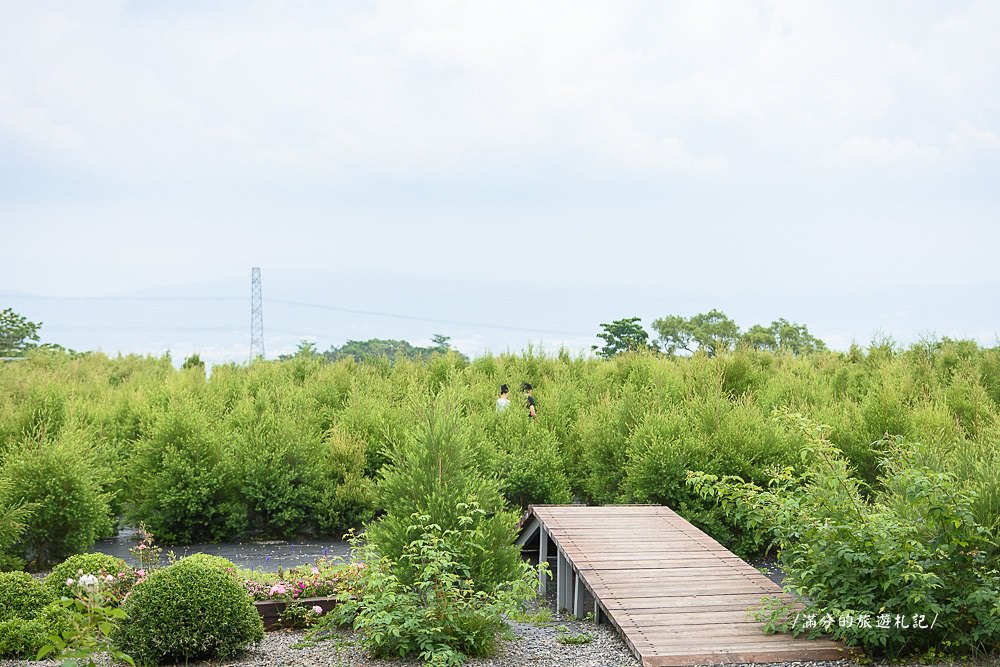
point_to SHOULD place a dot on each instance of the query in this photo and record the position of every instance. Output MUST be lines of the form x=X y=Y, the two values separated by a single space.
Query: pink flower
x=318 y=610
x=69 y=582
x=315 y=570
x=141 y=573
x=141 y=547
x=278 y=589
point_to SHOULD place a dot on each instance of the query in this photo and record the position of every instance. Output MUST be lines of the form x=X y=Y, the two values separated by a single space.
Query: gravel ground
x=532 y=645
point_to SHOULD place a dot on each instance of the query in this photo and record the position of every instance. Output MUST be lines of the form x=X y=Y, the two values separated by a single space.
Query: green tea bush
x=913 y=555
x=436 y=611
x=180 y=482
x=278 y=465
x=347 y=498
x=188 y=611
x=527 y=462
x=61 y=482
x=94 y=563
x=22 y=596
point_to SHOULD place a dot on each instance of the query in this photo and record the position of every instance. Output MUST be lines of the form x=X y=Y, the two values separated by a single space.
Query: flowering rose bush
x=324 y=579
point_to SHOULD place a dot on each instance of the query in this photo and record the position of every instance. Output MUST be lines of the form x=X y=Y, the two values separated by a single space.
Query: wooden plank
x=677 y=596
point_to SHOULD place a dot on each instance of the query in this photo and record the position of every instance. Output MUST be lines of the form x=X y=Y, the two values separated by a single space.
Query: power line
x=298 y=304
x=40 y=297
x=415 y=318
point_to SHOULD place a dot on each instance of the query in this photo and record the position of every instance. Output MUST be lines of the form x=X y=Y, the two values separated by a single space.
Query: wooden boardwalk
x=677 y=596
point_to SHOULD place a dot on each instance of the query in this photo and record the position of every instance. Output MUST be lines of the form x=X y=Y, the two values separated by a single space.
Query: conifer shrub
x=188 y=611
x=92 y=563
x=433 y=472
x=427 y=601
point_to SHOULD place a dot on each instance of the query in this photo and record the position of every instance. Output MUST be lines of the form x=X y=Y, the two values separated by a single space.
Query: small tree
x=17 y=334
x=622 y=336
x=431 y=473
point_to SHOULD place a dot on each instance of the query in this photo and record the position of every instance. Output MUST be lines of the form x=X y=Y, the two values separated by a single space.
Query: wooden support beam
x=578 y=596
x=543 y=556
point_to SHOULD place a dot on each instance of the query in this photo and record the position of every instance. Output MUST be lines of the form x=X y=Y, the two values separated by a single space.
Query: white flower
x=88 y=581
x=69 y=582
x=109 y=578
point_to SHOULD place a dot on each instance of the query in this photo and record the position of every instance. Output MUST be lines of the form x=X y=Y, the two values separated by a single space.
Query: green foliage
x=313 y=438
x=180 y=482
x=90 y=617
x=914 y=551
x=20 y=638
x=528 y=461
x=188 y=611
x=59 y=479
x=17 y=334
x=22 y=596
x=433 y=472
x=712 y=333
x=387 y=349
x=574 y=638
x=626 y=335
x=782 y=336
x=94 y=563
x=215 y=562
x=438 y=611
x=14 y=518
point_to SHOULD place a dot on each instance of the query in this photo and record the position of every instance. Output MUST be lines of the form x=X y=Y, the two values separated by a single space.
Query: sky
x=503 y=173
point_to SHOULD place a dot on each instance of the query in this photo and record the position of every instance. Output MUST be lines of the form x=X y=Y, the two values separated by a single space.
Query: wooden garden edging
x=270 y=610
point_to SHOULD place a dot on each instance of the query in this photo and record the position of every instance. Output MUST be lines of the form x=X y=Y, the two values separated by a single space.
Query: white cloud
x=882 y=151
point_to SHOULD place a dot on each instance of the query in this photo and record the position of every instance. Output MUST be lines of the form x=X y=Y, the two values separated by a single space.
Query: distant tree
x=388 y=348
x=17 y=334
x=675 y=334
x=441 y=343
x=712 y=333
x=760 y=337
x=782 y=336
x=619 y=336
x=194 y=361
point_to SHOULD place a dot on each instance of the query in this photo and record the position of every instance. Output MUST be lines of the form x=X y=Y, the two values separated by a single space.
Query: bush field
x=294 y=447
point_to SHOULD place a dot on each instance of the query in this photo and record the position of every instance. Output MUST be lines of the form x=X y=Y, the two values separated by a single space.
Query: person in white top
x=503 y=402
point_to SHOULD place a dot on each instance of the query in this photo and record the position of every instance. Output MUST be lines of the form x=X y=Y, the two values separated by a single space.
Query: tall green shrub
x=433 y=472
x=58 y=478
x=914 y=555
x=180 y=483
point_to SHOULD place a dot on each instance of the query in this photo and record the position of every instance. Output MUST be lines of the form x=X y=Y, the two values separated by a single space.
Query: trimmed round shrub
x=22 y=596
x=23 y=639
x=90 y=564
x=20 y=638
x=214 y=562
x=188 y=611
